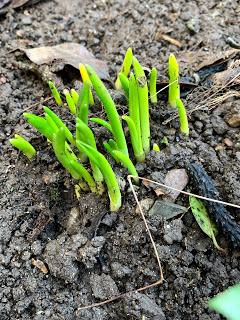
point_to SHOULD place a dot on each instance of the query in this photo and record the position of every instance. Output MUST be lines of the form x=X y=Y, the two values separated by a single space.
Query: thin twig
x=36 y=104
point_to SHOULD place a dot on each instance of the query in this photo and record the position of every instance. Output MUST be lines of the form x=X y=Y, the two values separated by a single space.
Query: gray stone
x=165 y=210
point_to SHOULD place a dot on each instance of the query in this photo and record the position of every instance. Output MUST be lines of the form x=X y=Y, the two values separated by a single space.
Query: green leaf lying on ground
x=201 y=215
x=227 y=303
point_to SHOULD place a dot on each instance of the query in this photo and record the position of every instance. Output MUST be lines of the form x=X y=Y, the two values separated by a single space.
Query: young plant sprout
x=55 y=93
x=135 y=139
x=85 y=135
x=83 y=102
x=110 y=109
x=108 y=174
x=124 y=84
x=70 y=102
x=133 y=105
x=40 y=124
x=153 y=85
x=174 y=88
x=143 y=104
x=23 y=145
x=59 y=124
x=184 y=128
x=125 y=68
x=74 y=95
x=85 y=78
x=68 y=161
x=156 y=147
x=123 y=159
x=102 y=123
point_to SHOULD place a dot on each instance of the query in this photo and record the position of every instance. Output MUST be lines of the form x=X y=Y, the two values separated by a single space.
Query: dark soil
x=92 y=254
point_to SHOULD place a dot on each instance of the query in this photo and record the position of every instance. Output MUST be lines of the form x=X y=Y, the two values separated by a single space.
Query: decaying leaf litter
x=138 y=298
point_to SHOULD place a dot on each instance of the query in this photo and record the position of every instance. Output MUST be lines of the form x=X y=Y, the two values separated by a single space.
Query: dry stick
x=198 y=107
x=37 y=103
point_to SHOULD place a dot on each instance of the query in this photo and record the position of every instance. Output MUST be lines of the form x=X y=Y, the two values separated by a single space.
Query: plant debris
x=68 y=53
x=205 y=186
x=201 y=215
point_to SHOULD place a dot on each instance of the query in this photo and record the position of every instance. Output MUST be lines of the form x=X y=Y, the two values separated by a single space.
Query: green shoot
x=201 y=215
x=165 y=141
x=118 y=156
x=108 y=174
x=60 y=124
x=102 y=123
x=85 y=78
x=74 y=95
x=135 y=139
x=227 y=302
x=134 y=112
x=70 y=102
x=85 y=135
x=51 y=123
x=182 y=117
x=125 y=68
x=143 y=104
x=79 y=168
x=23 y=145
x=174 y=88
x=110 y=109
x=55 y=93
x=112 y=144
x=156 y=147
x=59 y=147
x=83 y=102
x=153 y=85
x=124 y=83
x=68 y=160
x=40 y=124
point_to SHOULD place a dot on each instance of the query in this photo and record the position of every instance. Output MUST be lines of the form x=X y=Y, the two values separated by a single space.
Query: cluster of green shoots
x=78 y=152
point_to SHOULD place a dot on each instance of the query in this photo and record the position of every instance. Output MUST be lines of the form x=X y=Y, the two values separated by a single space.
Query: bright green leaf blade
x=227 y=303
x=125 y=68
x=102 y=122
x=70 y=102
x=173 y=73
x=153 y=85
x=39 y=124
x=143 y=104
x=201 y=215
x=124 y=83
x=55 y=93
x=23 y=145
x=60 y=124
x=110 y=109
x=184 y=128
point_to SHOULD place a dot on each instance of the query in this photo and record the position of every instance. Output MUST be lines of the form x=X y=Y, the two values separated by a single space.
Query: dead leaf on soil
x=219 y=58
x=68 y=53
x=224 y=77
x=40 y=265
x=14 y=4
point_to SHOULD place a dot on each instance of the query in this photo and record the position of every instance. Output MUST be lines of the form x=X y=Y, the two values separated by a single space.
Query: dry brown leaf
x=159 y=192
x=40 y=265
x=211 y=59
x=224 y=77
x=68 y=53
